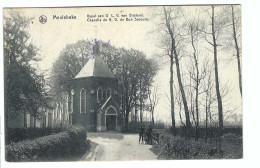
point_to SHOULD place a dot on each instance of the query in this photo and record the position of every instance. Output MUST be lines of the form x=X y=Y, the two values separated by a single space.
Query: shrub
x=171 y=147
x=20 y=134
x=53 y=147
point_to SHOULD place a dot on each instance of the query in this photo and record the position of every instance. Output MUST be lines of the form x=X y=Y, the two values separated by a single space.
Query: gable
x=110 y=102
x=111 y=110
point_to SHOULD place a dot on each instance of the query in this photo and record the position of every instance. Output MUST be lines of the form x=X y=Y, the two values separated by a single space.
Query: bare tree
x=214 y=44
x=215 y=31
x=209 y=100
x=171 y=16
x=153 y=99
x=165 y=44
x=178 y=101
x=210 y=105
x=235 y=26
x=196 y=74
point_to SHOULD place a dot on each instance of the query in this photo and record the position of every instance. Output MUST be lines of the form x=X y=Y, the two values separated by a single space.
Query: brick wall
x=91 y=85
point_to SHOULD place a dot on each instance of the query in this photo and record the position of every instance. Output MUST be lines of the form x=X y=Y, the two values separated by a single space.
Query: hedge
x=134 y=129
x=20 y=134
x=179 y=148
x=71 y=142
x=175 y=147
x=237 y=131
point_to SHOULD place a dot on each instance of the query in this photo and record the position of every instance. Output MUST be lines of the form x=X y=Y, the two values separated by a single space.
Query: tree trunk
x=126 y=120
x=173 y=51
x=197 y=114
x=135 y=112
x=186 y=109
x=210 y=119
x=141 y=110
x=220 y=108
x=24 y=119
x=206 y=122
x=34 y=121
x=237 y=50
x=197 y=84
x=123 y=110
x=172 y=96
x=127 y=111
x=152 y=117
x=173 y=48
x=126 y=105
x=152 y=102
x=141 y=102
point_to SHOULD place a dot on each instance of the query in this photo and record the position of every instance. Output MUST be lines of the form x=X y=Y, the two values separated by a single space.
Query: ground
x=115 y=146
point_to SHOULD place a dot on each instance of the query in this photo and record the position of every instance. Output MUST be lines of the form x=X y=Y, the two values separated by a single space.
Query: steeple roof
x=95 y=67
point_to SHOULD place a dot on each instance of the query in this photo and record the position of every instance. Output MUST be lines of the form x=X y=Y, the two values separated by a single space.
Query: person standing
x=149 y=134
x=141 y=133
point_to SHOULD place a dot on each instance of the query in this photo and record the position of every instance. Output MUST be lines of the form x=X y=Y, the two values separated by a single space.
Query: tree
x=135 y=76
x=127 y=82
x=153 y=99
x=147 y=69
x=70 y=61
x=172 y=16
x=215 y=45
x=24 y=88
x=193 y=27
x=216 y=28
x=209 y=100
x=236 y=21
x=162 y=20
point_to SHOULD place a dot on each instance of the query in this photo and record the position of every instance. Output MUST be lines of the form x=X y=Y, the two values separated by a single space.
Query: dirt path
x=114 y=146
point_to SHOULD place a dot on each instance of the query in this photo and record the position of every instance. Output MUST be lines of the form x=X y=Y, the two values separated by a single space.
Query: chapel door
x=111 y=122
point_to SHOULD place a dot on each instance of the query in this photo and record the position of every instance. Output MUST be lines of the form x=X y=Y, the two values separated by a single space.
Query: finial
x=96 y=47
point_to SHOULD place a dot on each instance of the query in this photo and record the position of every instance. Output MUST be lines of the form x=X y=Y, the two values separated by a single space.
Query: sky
x=55 y=34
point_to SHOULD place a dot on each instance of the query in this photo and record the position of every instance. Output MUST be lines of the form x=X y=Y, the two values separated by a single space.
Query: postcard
x=123 y=83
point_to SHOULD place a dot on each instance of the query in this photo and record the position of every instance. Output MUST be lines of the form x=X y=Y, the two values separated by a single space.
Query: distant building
x=26 y=119
x=94 y=102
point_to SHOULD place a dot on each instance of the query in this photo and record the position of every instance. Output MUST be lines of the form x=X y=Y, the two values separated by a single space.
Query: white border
x=251 y=85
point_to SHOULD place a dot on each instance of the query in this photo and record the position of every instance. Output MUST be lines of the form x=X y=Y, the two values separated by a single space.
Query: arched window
x=53 y=112
x=71 y=100
x=104 y=94
x=108 y=93
x=83 y=97
x=99 y=94
x=56 y=110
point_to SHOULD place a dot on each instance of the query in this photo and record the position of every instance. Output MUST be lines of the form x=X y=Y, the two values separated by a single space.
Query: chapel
x=95 y=100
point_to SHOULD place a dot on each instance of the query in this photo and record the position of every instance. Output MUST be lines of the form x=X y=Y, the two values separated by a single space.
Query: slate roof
x=95 y=67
